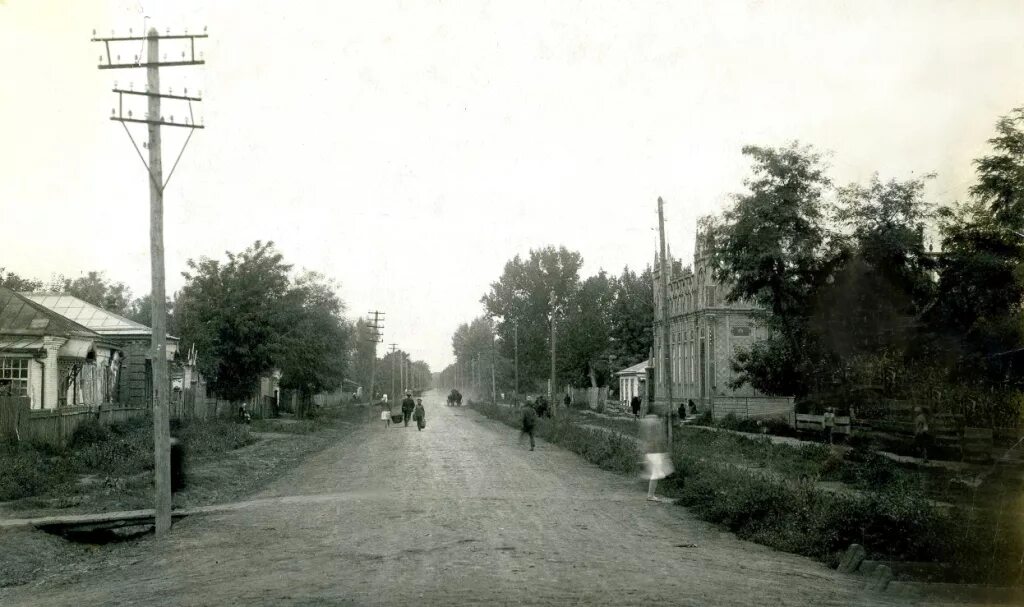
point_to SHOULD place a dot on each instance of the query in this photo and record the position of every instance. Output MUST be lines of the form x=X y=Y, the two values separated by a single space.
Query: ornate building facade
x=706 y=331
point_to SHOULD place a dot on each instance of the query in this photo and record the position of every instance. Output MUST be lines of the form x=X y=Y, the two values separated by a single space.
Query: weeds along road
x=458 y=514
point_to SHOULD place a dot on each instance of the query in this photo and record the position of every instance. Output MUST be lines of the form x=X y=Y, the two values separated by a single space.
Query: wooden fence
x=56 y=426
x=754 y=407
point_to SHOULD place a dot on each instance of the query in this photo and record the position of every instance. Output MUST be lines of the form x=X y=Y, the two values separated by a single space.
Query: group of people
x=454 y=398
x=411 y=409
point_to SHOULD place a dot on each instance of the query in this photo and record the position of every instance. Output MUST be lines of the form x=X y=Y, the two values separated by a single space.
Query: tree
x=313 y=354
x=14 y=282
x=869 y=310
x=586 y=332
x=774 y=247
x=631 y=330
x=235 y=314
x=525 y=298
x=96 y=289
x=1000 y=186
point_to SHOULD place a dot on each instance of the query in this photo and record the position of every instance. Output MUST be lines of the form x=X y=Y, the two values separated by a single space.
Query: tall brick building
x=706 y=331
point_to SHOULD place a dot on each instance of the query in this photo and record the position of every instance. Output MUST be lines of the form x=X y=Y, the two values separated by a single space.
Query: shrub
x=88 y=433
x=25 y=471
x=204 y=437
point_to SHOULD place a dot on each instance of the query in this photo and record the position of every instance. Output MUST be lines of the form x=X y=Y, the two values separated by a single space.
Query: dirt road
x=458 y=514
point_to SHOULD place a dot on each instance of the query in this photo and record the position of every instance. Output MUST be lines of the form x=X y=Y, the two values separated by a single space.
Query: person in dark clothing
x=542 y=407
x=420 y=414
x=567 y=401
x=634 y=404
x=408 y=405
x=682 y=411
x=529 y=422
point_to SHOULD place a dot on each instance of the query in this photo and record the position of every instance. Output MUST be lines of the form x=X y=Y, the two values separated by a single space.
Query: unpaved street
x=460 y=513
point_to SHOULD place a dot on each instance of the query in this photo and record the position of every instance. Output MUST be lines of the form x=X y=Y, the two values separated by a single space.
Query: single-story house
x=52 y=360
x=132 y=338
x=630 y=380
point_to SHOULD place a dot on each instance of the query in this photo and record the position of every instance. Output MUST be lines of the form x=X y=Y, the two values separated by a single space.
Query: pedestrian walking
x=657 y=463
x=408 y=406
x=567 y=401
x=828 y=422
x=420 y=415
x=922 y=432
x=634 y=404
x=529 y=423
x=385 y=412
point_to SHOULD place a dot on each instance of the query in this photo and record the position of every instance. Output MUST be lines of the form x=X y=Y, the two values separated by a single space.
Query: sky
x=409 y=149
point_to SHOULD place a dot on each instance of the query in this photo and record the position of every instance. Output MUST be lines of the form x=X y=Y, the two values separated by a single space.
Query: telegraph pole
x=666 y=330
x=154 y=119
x=494 y=389
x=378 y=337
x=551 y=382
x=515 y=330
x=393 y=349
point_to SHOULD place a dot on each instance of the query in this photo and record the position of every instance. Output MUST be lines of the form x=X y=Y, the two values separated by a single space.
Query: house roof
x=21 y=316
x=637 y=369
x=94 y=317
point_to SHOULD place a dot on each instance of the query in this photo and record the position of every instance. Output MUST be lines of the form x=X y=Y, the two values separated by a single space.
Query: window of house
x=741 y=331
x=14 y=376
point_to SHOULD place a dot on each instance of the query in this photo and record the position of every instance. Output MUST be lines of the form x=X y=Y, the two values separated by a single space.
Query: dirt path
x=457 y=514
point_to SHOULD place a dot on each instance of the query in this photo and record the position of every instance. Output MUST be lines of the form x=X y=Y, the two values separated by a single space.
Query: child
x=657 y=463
x=385 y=412
x=419 y=414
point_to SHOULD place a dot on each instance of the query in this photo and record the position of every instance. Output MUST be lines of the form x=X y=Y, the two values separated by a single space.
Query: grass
x=110 y=467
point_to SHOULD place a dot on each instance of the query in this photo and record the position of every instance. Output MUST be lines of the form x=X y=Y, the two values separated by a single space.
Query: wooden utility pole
x=394 y=394
x=666 y=329
x=515 y=332
x=378 y=337
x=154 y=119
x=551 y=382
x=494 y=388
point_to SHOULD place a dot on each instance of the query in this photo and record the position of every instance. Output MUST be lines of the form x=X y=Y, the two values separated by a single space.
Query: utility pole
x=154 y=119
x=551 y=382
x=515 y=331
x=494 y=388
x=666 y=330
x=394 y=394
x=377 y=336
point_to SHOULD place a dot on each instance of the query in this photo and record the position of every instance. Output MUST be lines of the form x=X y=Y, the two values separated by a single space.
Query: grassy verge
x=110 y=467
x=809 y=499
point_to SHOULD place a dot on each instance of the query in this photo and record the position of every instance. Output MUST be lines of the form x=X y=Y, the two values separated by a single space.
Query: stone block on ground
x=880 y=578
x=852 y=559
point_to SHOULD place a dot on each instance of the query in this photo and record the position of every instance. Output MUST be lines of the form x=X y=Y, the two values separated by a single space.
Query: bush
x=25 y=471
x=205 y=437
x=88 y=433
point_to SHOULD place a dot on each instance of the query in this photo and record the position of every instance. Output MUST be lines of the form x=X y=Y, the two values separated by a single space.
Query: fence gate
x=13 y=417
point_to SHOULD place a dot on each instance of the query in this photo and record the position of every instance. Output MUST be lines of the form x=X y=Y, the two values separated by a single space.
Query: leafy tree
x=527 y=296
x=774 y=247
x=631 y=322
x=235 y=314
x=586 y=333
x=313 y=355
x=870 y=307
x=96 y=289
x=1000 y=186
x=17 y=283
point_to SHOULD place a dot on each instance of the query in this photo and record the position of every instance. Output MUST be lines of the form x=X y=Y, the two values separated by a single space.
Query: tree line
x=859 y=298
x=246 y=316
x=601 y=323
